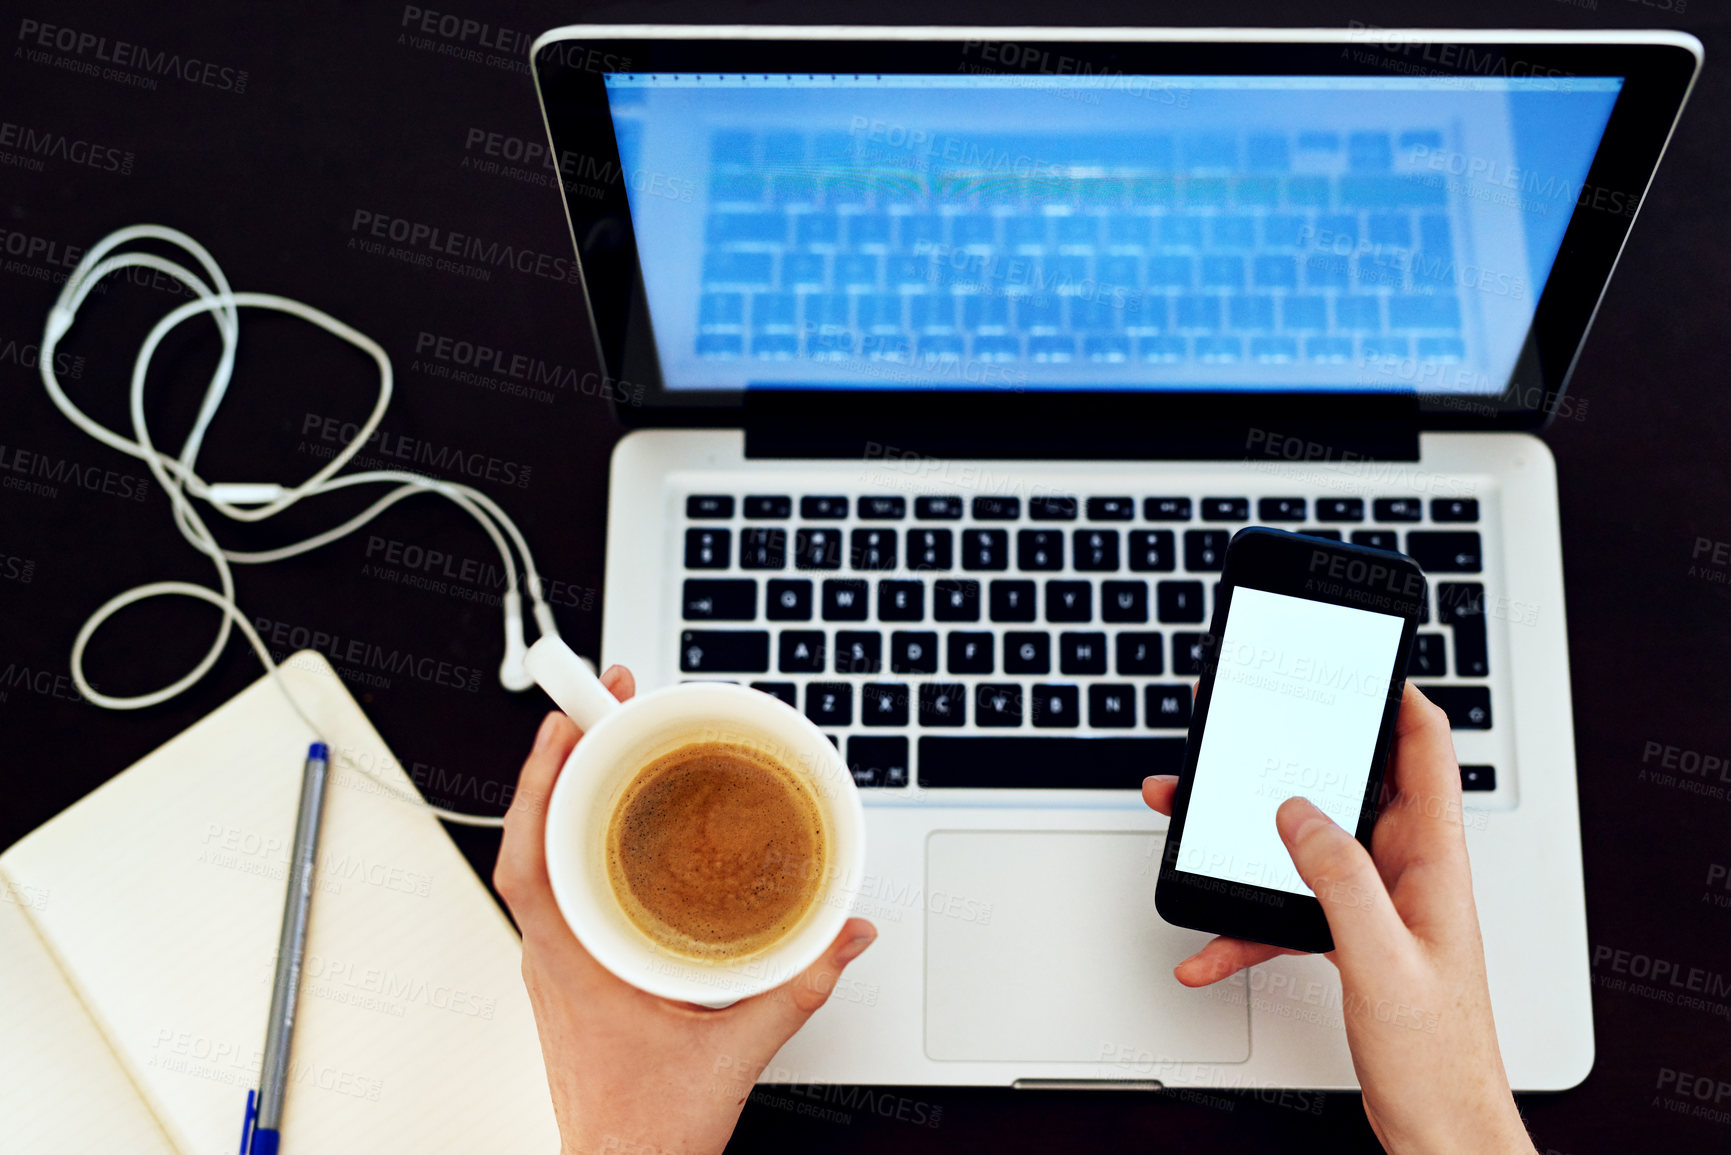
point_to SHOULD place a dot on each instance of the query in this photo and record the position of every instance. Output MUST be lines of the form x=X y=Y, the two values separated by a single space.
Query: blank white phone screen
x=1298 y=700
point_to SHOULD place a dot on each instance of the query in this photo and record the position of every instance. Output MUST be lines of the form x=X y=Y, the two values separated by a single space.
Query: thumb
x=1339 y=871
x=785 y=1009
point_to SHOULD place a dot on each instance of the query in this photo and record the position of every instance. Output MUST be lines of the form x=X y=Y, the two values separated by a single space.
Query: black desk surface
x=315 y=113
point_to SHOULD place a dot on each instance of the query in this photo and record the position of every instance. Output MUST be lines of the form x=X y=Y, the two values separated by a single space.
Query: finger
x=785 y=1009
x=621 y=681
x=1222 y=958
x=521 y=870
x=1158 y=790
x=1426 y=776
x=1339 y=871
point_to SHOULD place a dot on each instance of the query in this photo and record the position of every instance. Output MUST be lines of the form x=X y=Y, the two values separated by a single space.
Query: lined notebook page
x=414 y=1031
x=62 y=1091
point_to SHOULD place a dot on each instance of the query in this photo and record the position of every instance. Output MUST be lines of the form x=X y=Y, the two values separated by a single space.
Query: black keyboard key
x=1081 y=653
x=998 y=704
x=1377 y=539
x=930 y=549
x=858 y=652
x=1441 y=551
x=1052 y=508
x=1427 y=657
x=708 y=548
x=878 y=761
x=1167 y=707
x=1327 y=534
x=938 y=508
x=1340 y=509
x=901 y=601
x=1462 y=605
x=828 y=508
x=1040 y=549
x=802 y=652
x=724 y=651
x=956 y=600
x=1468 y=707
x=883 y=508
x=1068 y=601
x=1478 y=777
x=1188 y=650
x=788 y=601
x=913 y=652
x=1455 y=509
x=1166 y=509
x=1139 y=654
x=1012 y=601
x=970 y=652
x=1226 y=509
x=762 y=548
x=1273 y=509
x=1111 y=707
x=943 y=704
x=721 y=601
x=997 y=508
x=708 y=505
x=883 y=704
x=786 y=691
x=829 y=703
x=1111 y=509
x=1179 y=601
x=873 y=549
x=1397 y=509
x=1205 y=550
x=766 y=508
x=1027 y=653
x=1055 y=707
x=987 y=549
x=817 y=549
x=844 y=600
x=1152 y=551
x=1096 y=550
x=1023 y=761
x=1123 y=601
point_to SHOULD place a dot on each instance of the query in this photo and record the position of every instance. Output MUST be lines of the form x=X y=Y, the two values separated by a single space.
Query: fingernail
x=545 y=733
x=1162 y=778
x=854 y=947
x=1312 y=815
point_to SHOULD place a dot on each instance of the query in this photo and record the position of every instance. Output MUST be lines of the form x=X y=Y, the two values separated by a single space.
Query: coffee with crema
x=716 y=851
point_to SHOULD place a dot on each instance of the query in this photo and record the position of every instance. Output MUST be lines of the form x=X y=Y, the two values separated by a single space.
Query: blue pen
x=263 y=1129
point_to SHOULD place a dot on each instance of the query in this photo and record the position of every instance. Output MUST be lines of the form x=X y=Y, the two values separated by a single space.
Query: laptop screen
x=1107 y=232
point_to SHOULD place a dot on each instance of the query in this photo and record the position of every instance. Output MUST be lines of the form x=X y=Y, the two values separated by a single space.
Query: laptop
x=953 y=357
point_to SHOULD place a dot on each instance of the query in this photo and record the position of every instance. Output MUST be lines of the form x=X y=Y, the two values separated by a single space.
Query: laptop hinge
x=1283 y=426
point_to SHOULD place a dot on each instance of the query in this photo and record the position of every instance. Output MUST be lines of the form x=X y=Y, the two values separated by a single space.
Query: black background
x=342 y=113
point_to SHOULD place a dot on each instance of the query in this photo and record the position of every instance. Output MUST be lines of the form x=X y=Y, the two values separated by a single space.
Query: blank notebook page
x=164 y=902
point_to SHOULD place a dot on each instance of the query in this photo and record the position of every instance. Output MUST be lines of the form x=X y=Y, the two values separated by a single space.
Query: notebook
x=138 y=932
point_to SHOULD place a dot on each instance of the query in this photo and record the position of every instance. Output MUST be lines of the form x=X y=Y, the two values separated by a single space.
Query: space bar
x=1046 y=763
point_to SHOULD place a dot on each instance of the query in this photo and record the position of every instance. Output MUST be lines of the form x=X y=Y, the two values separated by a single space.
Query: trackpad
x=1046 y=947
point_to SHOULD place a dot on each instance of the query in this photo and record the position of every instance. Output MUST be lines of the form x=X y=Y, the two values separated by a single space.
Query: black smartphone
x=1303 y=667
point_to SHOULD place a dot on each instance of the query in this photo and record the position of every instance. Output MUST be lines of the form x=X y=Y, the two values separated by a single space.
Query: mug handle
x=569 y=681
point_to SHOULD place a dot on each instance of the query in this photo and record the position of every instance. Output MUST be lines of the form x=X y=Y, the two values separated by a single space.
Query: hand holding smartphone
x=1301 y=684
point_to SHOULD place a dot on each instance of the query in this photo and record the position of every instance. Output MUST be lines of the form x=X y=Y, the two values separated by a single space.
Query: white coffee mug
x=621 y=738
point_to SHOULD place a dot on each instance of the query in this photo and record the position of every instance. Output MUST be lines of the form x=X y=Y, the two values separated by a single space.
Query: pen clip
x=247 y=1123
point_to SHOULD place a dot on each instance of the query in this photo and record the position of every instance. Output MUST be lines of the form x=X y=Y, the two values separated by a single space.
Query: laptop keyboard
x=1052 y=642
x=1260 y=247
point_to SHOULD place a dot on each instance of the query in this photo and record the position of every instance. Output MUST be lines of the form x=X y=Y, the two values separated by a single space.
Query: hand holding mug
x=630 y=1071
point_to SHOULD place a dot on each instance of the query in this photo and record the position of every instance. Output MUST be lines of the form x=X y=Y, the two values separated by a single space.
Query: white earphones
x=251 y=500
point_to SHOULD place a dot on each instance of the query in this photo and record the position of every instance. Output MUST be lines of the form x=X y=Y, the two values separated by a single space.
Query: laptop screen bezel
x=569 y=66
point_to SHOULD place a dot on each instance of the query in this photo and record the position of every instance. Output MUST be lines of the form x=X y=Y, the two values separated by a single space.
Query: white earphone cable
x=253 y=501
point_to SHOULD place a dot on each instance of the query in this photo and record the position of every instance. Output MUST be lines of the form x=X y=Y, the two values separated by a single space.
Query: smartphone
x=1303 y=667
